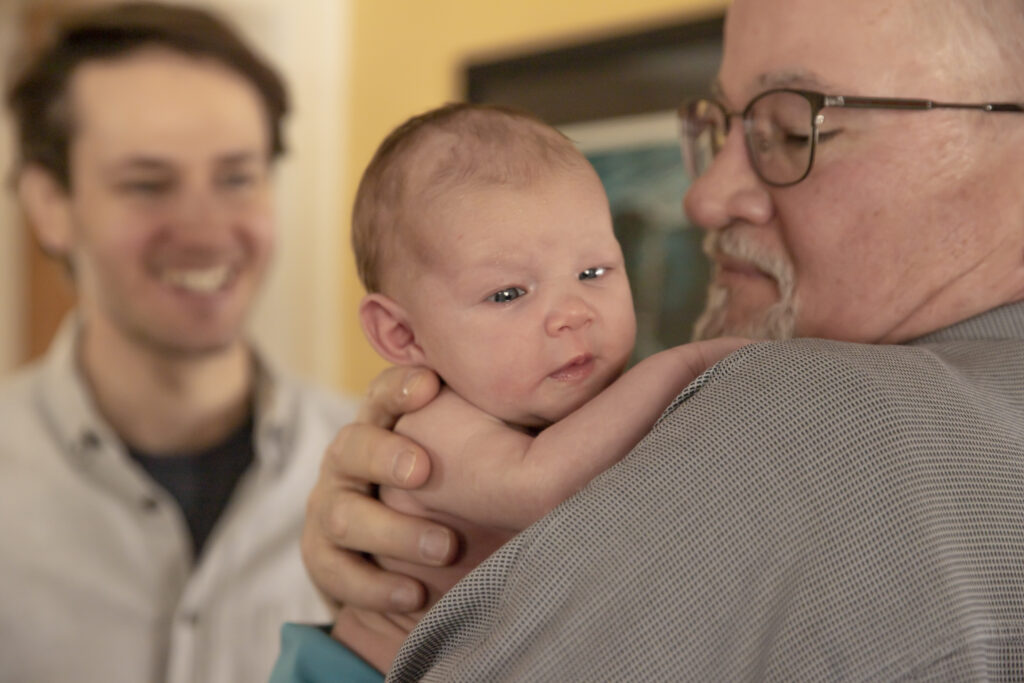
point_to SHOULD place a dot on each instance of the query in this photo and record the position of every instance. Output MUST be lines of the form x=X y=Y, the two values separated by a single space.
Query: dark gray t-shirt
x=202 y=482
x=806 y=510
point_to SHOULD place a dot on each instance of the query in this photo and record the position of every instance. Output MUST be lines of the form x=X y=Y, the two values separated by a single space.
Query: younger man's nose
x=198 y=214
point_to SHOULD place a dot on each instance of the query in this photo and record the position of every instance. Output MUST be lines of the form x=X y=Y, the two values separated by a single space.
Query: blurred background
x=356 y=68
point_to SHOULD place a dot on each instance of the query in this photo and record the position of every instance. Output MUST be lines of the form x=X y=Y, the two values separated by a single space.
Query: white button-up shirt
x=96 y=568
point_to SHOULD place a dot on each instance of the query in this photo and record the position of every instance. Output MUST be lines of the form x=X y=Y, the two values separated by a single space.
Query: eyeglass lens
x=778 y=130
x=704 y=128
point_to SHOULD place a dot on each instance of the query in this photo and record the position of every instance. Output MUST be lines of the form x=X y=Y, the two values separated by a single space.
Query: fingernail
x=411 y=381
x=401 y=466
x=434 y=545
x=405 y=598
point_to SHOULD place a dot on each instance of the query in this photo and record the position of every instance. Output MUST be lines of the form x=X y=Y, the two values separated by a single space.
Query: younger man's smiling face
x=169 y=222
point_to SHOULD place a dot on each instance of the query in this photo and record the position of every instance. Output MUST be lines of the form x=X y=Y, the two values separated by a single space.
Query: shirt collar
x=68 y=404
x=65 y=397
x=277 y=412
x=1004 y=322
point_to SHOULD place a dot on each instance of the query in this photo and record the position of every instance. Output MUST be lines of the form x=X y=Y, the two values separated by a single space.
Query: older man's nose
x=729 y=190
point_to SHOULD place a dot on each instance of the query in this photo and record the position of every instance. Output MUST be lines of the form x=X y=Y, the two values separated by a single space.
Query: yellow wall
x=407 y=56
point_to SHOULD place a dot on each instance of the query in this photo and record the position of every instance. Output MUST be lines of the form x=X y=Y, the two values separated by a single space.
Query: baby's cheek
x=508 y=398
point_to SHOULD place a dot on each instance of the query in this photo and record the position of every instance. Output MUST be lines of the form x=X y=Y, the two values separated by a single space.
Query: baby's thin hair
x=426 y=157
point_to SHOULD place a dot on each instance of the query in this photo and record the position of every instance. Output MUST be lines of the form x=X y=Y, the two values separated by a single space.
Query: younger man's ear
x=387 y=327
x=48 y=208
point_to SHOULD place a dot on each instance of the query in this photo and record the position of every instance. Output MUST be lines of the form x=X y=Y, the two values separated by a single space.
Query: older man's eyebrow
x=796 y=78
x=793 y=78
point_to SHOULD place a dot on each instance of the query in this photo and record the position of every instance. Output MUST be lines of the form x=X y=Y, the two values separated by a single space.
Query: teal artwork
x=668 y=271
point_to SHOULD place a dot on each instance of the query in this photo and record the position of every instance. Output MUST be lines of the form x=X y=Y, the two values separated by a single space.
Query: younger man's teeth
x=203 y=280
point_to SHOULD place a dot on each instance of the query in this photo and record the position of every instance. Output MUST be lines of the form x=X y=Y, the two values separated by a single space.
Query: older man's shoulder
x=841 y=379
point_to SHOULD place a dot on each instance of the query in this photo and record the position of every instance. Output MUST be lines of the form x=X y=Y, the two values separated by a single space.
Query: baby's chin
x=531 y=425
x=534 y=423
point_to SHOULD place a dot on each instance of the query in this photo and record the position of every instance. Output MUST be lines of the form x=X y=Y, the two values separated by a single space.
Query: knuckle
x=337 y=448
x=375 y=392
x=338 y=520
x=314 y=502
x=307 y=548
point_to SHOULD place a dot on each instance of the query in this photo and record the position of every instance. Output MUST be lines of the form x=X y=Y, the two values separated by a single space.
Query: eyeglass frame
x=820 y=101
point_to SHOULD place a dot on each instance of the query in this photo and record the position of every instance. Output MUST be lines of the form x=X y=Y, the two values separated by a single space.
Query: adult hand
x=345 y=522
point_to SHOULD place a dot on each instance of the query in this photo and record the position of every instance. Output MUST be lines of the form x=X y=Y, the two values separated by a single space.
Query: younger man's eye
x=592 y=273
x=238 y=180
x=507 y=295
x=145 y=187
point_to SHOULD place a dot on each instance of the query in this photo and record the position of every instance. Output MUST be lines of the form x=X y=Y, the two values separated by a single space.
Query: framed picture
x=617 y=99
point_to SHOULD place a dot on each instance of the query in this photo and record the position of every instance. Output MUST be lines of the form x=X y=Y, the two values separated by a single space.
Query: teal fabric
x=310 y=655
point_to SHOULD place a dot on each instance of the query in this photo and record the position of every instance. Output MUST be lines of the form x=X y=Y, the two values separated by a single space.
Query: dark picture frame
x=616 y=97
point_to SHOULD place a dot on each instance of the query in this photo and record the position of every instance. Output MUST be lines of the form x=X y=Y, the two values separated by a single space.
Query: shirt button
x=190 y=619
x=149 y=504
x=90 y=441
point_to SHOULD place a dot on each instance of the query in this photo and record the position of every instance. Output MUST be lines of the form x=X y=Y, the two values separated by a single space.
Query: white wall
x=298 y=320
x=12 y=321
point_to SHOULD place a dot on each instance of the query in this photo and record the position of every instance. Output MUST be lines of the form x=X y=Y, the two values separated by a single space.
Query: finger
x=710 y=351
x=363 y=454
x=344 y=577
x=356 y=522
x=396 y=391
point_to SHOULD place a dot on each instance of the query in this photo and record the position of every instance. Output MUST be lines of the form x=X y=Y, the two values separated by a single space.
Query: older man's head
x=908 y=220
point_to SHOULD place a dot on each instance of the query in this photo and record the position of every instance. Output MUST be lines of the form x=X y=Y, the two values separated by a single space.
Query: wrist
x=374 y=636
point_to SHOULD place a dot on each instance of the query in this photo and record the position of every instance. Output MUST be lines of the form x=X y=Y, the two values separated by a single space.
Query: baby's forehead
x=445 y=167
x=443 y=159
x=441 y=193
x=432 y=149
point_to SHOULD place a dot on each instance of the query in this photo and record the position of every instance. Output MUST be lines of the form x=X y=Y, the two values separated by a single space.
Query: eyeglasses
x=781 y=128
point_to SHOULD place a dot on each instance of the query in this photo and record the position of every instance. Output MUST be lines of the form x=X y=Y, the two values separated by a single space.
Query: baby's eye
x=507 y=295
x=592 y=273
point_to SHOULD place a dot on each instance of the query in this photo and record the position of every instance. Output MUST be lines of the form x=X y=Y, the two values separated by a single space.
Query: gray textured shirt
x=806 y=510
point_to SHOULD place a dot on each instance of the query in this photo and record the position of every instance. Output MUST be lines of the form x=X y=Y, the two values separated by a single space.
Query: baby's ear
x=387 y=327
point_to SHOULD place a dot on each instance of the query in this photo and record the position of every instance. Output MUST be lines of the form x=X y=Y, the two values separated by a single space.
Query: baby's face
x=525 y=309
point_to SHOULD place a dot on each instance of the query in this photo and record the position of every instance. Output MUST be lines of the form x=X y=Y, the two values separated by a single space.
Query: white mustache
x=736 y=244
x=775 y=322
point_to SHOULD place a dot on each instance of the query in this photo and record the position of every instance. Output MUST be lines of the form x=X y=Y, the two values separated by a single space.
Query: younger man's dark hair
x=38 y=97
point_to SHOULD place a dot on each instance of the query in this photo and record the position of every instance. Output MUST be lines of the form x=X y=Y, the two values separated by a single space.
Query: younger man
x=485 y=242
x=153 y=465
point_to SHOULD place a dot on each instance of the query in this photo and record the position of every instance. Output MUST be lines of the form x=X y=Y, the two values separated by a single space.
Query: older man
x=153 y=466
x=844 y=505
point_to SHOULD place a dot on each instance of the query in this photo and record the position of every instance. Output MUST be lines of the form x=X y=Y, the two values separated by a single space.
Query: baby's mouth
x=578 y=368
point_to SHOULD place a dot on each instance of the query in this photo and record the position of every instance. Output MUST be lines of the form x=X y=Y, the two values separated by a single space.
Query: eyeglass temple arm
x=912 y=104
